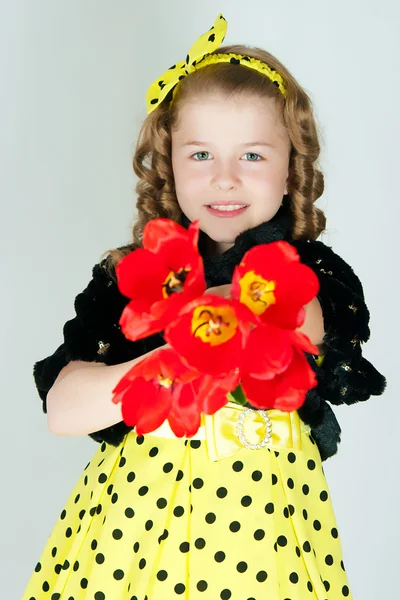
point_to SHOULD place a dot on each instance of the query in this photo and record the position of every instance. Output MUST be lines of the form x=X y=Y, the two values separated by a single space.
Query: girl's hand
x=220 y=290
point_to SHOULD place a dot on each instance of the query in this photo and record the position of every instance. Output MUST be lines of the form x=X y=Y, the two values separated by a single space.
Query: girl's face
x=231 y=152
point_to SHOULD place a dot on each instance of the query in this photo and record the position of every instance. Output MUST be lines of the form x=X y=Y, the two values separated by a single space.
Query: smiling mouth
x=227 y=207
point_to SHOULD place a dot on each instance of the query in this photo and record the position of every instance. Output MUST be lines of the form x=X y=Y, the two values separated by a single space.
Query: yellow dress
x=160 y=517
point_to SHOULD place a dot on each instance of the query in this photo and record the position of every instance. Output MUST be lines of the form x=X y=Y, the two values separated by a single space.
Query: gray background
x=74 y=75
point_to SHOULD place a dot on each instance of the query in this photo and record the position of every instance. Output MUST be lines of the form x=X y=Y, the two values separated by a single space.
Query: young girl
x=156 y=517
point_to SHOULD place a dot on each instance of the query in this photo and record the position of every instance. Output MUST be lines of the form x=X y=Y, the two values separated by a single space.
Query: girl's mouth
x=226 y=210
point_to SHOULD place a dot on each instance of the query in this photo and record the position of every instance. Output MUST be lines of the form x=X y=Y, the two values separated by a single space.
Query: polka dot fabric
x=154 y=518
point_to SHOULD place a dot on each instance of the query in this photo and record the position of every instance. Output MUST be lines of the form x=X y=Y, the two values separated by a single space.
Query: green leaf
x=238 y=396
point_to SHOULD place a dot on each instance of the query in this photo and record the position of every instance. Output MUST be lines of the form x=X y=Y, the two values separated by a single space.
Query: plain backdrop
x=74 y=75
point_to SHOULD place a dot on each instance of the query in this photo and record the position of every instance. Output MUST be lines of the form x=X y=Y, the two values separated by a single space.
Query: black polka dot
x=82 y=514
x=149 y=525
x=290 y=483
x=99 y=508
x=38 y=567
x=99 y=558
x=195 y=444
x=102 y=478
x=57 y=568
x=261 y=576
x=202 y=585
x=334 y=533
x=129 y=513
x=317 y=525
x=63 y=514
x=93 y=545
x=122 y=461
x=179 y=511
x=210 y=518
x=85 y=481
x=200 y=543
x=161 y=503
x=143 y=490
x=222 y=492
x=118 y=574
x=311 y=465
x=167 y=468
x=225 y=594
x=282 y=540
x=162 y=575
x=140 y=439
x=110 y=488
x=153 y=452
x=136 y=547
x=114 y=498
x=305 y=514
x=298 y=552
x=256 y=475
x=323 y=496
x=142 y=563
x=234 y=526
x=345 y=590
x=184 y=547
x=327 y=585
x=241 y=567
x=329 y=560
x=54 y=552
x=77 y=498
x=274 y=479
x=99 y=596
x=68 y=532
x=269 y=508
x=76 y=566
x=291 y=509
x=92 y=511
x=246 y=501
x=291 y=457
x=286 y=512
x=131 y=477
x=219 y=556
x=84 y=583
x=237 y=466
x=117 y=534
x=45 y=586
x=259 y=534
x=306 y=489
x=198 y=483
x=179 y=475
x=306 y=547
x=309 y=586
x=294 y=578
x=179 y=588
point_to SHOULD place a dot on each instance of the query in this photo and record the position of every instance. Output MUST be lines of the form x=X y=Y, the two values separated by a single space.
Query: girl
x=155 y=516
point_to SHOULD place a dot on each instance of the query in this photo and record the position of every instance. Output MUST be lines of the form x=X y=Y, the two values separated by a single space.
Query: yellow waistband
x=225 y=435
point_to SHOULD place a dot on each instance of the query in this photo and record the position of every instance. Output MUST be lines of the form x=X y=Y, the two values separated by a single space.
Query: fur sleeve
x=348 y=377
x=93 y=335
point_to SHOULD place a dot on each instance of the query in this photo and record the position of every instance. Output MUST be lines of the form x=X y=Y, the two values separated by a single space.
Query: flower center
x=257 y=293
x=175 y=281
x=164 y=381
x=213 y=325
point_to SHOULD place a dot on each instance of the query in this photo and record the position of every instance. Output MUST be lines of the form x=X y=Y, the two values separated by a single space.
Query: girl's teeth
x=228 y=206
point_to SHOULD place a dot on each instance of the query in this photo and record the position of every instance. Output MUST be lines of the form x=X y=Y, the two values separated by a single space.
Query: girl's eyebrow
x=257 y=143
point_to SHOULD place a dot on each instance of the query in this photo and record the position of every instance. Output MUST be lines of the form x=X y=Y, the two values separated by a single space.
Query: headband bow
x=200 y=56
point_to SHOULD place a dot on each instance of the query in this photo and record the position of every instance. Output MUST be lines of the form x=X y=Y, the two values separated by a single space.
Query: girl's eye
x=201 y=152
x=252 y=155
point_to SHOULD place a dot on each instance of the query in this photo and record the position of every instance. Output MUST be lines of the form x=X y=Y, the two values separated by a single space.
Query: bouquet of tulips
x=242 y=348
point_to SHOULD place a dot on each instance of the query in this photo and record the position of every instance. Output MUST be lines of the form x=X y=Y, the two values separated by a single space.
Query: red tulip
x=161 y=387
x=210 y=334
x=159 y=278
x=273 y=283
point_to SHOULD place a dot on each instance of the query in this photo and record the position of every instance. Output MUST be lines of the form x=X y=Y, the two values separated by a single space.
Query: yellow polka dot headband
x=200 y=56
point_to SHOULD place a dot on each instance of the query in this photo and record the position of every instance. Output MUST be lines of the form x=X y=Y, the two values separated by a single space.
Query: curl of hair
x=152 y=162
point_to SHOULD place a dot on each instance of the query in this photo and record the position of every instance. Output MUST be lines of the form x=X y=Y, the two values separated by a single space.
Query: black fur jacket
x=345 y=376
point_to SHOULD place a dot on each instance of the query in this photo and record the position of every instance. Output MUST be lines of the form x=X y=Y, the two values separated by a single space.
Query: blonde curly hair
x=152 y=163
